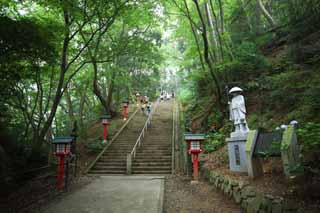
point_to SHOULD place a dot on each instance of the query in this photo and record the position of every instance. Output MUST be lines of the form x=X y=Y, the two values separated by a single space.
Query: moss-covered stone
x=236 y=195
x=267 y=204
x=248 y=191
x=254 y=203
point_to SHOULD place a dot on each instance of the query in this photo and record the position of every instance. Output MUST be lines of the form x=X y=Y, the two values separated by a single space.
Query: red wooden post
x=105 y=122
x=60 y=172
x=195 y=166
x=105 y=132
x=125 y=109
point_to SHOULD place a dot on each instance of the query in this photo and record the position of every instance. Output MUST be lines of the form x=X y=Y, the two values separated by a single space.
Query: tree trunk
x=59 y=92
x=82 y=103
x=212 y=35
x=70 y=108
x=194 y=35
x=216 y=29
x=110 y=89
x=96 y=89
x=221 y=15
x=206 y=56
x=266 y=14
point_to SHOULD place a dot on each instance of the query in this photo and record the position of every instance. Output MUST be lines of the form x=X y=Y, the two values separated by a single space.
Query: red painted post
x=60 y=172
x=125 y=109
x=195 y=166
x=105 y=133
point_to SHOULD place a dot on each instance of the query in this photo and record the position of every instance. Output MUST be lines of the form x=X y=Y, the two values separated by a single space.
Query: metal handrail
x=141 y=136
x=174 y=114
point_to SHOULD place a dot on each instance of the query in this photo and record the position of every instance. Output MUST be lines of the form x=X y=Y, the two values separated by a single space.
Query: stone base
x=238 y=134
x=194 y=182
x=236 y=152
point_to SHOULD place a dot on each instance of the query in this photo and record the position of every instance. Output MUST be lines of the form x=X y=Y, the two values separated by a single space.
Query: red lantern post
x=194 y=148
x=105 y=123
x=125 y=109
x=62 y=146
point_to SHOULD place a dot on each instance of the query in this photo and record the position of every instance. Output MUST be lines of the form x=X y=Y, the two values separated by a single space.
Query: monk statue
x=238 y=111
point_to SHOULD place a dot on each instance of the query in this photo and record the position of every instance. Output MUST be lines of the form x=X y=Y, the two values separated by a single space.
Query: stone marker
x=254 y=164
x=289 y=150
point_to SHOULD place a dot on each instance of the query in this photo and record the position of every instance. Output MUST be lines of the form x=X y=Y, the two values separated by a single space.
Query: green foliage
x=213 y=142
x=309 y=137
x=95 y=147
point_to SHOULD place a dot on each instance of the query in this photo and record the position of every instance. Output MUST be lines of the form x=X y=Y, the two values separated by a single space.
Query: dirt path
x=180 y=196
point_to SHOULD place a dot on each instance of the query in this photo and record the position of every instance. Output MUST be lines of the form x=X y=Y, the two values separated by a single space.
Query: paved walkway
x=114 y=194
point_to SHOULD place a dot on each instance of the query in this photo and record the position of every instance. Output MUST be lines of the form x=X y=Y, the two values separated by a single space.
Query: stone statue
x=238 y=111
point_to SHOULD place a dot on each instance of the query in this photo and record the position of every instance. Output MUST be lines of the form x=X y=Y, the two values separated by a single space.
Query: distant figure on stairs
x=143 y=106
x=148 y=108
x=138 y=98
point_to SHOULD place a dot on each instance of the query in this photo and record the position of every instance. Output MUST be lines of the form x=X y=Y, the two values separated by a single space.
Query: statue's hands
x=242 y=119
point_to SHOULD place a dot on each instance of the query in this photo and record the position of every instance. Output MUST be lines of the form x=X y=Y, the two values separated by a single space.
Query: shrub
x=309 y=136
x=213 y=142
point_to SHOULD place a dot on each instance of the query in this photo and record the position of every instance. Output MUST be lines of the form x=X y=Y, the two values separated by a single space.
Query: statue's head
x=234 y=91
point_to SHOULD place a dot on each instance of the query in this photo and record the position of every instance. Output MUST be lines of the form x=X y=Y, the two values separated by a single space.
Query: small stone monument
x=237 y=140
x=290 y=150
x=254 y=164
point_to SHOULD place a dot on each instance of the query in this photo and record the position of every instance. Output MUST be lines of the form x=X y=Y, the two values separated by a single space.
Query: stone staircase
x=113 y=160
x=154 y=156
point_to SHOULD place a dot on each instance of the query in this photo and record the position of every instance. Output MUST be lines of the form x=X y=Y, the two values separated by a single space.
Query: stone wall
x=247 y=197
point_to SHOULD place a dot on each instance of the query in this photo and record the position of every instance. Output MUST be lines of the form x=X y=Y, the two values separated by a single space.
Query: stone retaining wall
x=247 y=197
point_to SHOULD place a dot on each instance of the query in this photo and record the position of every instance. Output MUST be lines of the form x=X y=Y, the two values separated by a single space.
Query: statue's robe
x=238 y=110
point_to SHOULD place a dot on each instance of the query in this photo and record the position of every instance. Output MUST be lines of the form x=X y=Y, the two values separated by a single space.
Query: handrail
x=173 y=136
x=141 y=136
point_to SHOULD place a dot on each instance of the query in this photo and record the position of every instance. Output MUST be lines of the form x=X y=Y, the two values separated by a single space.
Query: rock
x=276 y=206
x=233 y=183
x=248 y=191
x=242 y=185
x=236 y=195
x=254 y=204
x=244 y=204
x=290 y=205
x=267 y=204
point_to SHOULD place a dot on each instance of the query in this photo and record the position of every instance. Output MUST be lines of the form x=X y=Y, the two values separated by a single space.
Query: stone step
x=153 y=155
x=92 y=171
x=109 y=167
x=144 y=167
x=113 y=157
x=164 y=142
x=118 y=151
x=149 y=160
x=111 y=163
x=152 y=172
x=164 y=163
x=154 y=149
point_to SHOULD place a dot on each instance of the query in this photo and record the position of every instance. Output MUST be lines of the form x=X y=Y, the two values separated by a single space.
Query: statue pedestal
x=236 y=152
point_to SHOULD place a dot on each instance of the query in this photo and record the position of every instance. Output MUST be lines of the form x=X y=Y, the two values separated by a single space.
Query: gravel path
x=182 y=197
